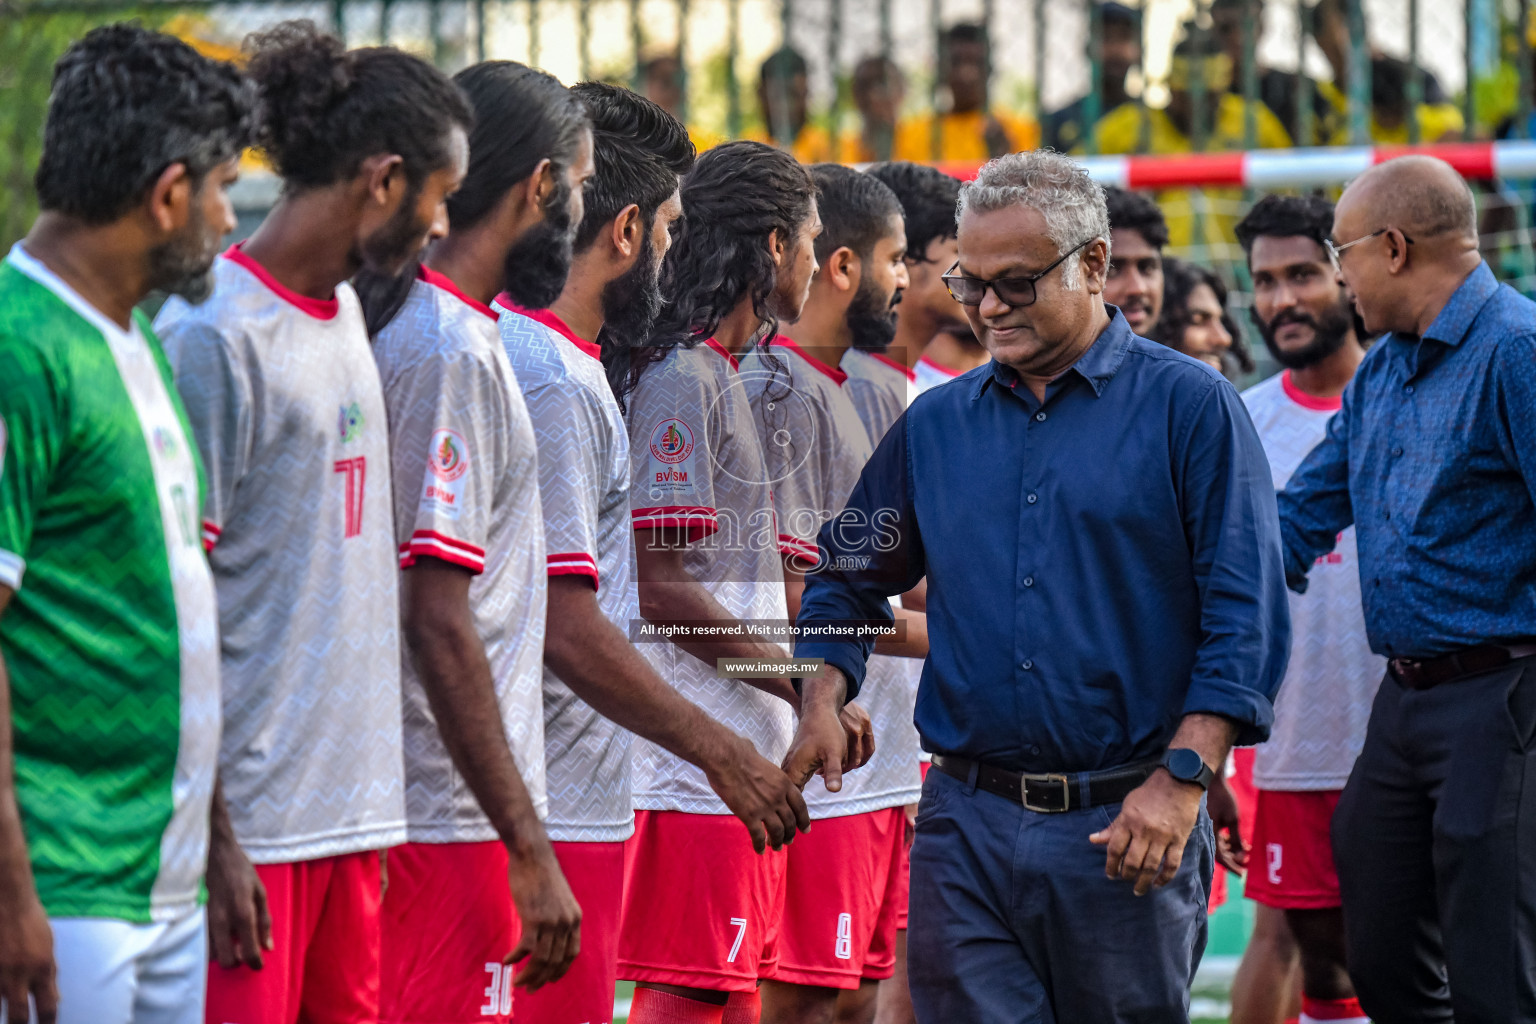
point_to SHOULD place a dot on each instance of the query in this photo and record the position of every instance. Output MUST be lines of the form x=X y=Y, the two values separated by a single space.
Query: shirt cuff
x=437 y=545
x=698 y=520
x=12 y=568
x=574 y=563
x=839 y=654
x=795 y=546
x=1250 y=710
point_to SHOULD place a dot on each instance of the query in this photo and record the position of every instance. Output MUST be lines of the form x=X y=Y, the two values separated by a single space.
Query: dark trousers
x=1435 y=840
x=1012 y=920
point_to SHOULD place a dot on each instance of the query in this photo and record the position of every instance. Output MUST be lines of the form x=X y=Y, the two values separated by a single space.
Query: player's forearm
x=687 y=602
x=593 y=657
x=450 y=660
x=1210 y=736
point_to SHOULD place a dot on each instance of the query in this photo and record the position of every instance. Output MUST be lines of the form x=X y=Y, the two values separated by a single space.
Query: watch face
x=1184 y=765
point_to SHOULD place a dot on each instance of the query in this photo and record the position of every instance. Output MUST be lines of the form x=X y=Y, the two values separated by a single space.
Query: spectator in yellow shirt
x=1202 y=218
x=783 y=96
x=662 y=81
x=1439 y=119
x=971 y=130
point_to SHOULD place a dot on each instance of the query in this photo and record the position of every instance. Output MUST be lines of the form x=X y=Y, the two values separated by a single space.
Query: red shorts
x=595 y=872
x=841 y=899
x=1292 y=861
x=448 y=923
x=1241 y=784
x=701 y=907
x=324 y=964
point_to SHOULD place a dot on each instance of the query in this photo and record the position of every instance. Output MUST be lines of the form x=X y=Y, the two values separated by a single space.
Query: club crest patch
x=447 y=462
x=672 y=460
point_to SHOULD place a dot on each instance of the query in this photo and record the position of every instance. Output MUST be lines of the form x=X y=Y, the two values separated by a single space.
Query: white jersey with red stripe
x=881 y=389
x=926 y=374
x=1330 y=683
x=285 y=408
x=815 y=447
x=584 y=483
x=696 y=464
x=468 y=494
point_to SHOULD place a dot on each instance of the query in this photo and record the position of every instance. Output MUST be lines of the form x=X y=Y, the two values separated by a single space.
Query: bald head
x=1419 y=195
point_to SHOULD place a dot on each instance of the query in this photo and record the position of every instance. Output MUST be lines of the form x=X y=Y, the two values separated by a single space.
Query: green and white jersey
x=111 y=638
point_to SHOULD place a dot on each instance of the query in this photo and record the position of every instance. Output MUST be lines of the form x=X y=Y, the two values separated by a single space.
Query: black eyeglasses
x=1011 y=291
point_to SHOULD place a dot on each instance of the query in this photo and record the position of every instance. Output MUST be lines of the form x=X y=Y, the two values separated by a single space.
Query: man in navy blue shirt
x=1432 y=458
x=1106 y=612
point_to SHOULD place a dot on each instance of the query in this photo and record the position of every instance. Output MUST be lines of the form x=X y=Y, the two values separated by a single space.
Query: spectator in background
x=1195 y=320
x=1329 y=25
x=783 y=96
x=1277 y=90
x=970 y=130
x=1219 y=122
x=1137 y=235
x=664 y=81
x=1120 y=51
x=879 y=88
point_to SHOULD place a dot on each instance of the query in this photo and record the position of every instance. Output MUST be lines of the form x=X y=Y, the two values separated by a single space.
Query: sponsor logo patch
x=350 y=422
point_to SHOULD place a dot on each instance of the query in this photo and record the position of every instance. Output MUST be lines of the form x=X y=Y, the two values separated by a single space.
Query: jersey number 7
x=356 y=471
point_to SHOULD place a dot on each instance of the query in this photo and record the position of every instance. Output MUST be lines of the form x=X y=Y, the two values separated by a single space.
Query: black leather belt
x=1053 y=792
x=1427 y=673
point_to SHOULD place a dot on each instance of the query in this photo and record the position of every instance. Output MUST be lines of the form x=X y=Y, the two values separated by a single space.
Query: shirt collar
x=549 y=318
x=1455 y=320
x=1097 y=366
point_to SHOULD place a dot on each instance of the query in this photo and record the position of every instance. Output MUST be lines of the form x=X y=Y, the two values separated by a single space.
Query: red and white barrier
x=1292 y=168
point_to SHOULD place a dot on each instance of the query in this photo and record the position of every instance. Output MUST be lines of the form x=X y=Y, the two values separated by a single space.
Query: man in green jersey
x=109 y=689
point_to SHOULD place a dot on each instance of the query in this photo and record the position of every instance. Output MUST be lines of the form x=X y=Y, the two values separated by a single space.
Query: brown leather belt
x=1053 y=792
x=1427 y=673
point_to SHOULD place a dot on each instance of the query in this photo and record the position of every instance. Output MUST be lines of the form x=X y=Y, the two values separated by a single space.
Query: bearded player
x=285 y=404
x=479 y=867
x=109 y=672
x=701 y=505
x=845 y=879
x=1308 y=324
x=597 y=686
x=933 y=339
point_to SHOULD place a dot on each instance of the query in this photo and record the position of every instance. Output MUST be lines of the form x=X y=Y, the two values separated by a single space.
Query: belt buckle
x=1052 y=779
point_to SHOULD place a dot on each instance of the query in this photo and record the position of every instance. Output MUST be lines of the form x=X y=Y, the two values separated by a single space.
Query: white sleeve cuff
x=11 y=569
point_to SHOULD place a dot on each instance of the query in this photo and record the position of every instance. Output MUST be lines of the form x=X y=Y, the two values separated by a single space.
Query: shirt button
x=1029 y=581
x=1040 y=416
x=1034 y=750
x=1027 y=665
x=1385 y=514
x=1407 y=389
x=1376 y=583
x=1396 y=452
x=1033 y=497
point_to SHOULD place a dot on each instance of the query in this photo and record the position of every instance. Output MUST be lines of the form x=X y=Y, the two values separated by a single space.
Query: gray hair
x=1057 y=186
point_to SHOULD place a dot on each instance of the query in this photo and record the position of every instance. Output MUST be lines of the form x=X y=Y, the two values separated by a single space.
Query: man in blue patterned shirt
x=1433 y=459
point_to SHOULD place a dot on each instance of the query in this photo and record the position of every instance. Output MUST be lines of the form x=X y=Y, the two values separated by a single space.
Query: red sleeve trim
x=577 y=563
x=698 y=520
x=436 y=545
x=795 y=546
x=211 y=534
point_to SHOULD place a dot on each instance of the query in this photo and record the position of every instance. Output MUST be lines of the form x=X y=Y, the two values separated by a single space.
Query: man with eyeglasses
x=1432 y=458
x=1106 y=611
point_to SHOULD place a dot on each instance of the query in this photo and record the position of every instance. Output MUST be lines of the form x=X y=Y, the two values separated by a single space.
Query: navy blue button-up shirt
x=1099 y=564
x=1433 y=459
